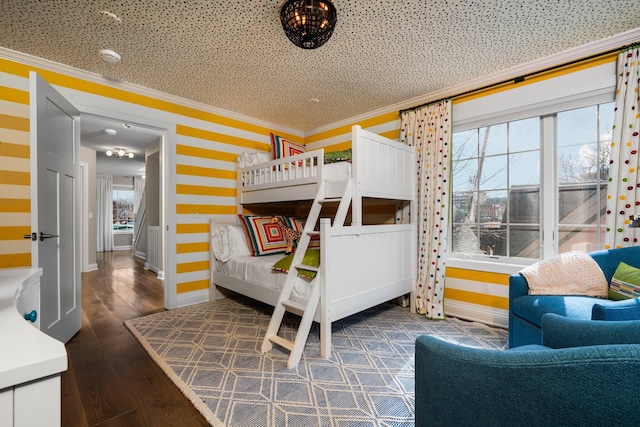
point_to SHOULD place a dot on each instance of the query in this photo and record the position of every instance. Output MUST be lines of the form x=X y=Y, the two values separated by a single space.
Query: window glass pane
x=481 y=213
x=123 y=210
x=577 y=126
x=524 y=135
x=493 y=140
x=579 y=238
x=583 y=163
x=524 y=205
x=524 y=168
x=465 y=144
x=464 y=174
x=583 y=169
x=494 y=173
x=524 y=241
x=606 y=121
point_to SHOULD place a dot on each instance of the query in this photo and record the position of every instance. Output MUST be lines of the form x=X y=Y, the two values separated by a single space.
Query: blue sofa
x=585 y=373
x=526 y=311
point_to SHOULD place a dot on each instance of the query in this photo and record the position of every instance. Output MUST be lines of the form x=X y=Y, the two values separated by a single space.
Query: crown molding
x=564 y=57
x=37 y=62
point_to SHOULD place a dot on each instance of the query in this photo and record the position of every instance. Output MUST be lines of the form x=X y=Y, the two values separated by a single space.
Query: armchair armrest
x=573 y=386
x=620 y=310
x=518 y=286
x=563 y=332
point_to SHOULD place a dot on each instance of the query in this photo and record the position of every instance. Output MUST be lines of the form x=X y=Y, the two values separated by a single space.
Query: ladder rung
x=281 y=342
x=298 y=306
x=313 y=233
x=333 y=199
x=308 y=267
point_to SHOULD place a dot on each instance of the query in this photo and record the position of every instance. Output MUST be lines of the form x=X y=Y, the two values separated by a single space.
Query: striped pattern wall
x=15 y=180
x=207 y=145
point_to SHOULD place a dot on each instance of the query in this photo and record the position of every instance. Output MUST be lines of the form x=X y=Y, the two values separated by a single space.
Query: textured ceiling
x=233 y=54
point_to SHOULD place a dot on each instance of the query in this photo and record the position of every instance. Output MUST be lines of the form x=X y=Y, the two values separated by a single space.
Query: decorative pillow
x=282 y=148
x=311 y=258
x=227 y=241
x=338 y=156
x=264 y=237
x=625 y=283
x=569 y=273
x=298 y=225
x=239 y=245
x=249 y=159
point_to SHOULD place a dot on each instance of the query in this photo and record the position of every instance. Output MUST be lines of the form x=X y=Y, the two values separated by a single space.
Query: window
x=122 y=209
x=518 y=181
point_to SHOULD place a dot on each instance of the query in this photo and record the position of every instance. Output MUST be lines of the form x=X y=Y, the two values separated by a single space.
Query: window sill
x=492 y=265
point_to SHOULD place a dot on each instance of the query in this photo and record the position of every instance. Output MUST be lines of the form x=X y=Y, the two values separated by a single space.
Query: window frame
x=121 y=187
x=549 y=189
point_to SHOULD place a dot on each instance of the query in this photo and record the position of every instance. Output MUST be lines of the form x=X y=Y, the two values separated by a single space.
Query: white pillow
x=227 y=241
x=249 y=159
x=239 y=245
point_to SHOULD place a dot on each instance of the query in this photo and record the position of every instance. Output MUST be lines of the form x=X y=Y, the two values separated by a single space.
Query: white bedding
x=258 y=270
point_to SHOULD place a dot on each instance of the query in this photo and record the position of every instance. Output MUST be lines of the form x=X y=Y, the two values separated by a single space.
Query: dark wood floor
x=111 y=380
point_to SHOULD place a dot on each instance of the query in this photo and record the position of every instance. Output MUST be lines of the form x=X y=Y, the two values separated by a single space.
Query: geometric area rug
x=211 y=351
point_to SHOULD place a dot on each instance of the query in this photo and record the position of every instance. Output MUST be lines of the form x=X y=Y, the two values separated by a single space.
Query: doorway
x=147 y=140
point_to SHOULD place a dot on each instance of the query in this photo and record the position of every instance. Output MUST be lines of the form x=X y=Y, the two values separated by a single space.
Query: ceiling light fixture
x=120 y=153
x=111 y=131
x=110 y=56
x=308 y=23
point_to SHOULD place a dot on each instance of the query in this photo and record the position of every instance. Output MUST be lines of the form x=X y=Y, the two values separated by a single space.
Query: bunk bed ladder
x=306 y=309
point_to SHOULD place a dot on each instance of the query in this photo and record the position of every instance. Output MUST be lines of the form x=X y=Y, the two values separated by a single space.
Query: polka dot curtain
x=623 y=191
x=429 y=130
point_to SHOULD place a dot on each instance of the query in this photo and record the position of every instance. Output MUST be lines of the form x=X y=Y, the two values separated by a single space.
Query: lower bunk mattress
x=258 y=270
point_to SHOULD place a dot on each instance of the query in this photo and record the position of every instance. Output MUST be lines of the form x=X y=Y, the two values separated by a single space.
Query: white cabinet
x=30 y=361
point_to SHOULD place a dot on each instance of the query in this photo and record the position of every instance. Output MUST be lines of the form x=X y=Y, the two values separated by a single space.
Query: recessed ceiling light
x=110 y=56
x=111 y=131
x=126 y=125
x=314 y=100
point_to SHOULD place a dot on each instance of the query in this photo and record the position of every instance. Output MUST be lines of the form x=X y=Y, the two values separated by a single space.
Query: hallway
x=111 y=381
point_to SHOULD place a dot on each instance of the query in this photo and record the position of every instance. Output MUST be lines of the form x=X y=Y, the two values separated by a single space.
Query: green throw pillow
x=338 y=156
x=625 y=283
x=311 y=258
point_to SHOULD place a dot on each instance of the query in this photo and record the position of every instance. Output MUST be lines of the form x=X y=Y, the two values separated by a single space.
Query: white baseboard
x=194 y=297
x=477 y=313
x=140 y=254
x=122 y=248
x=91 y=267
x=160 y=274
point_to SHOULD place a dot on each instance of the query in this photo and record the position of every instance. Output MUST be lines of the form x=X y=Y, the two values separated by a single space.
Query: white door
x=56 y=213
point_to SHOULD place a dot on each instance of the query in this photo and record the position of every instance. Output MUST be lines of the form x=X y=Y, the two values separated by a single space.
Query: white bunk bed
x=361 y=265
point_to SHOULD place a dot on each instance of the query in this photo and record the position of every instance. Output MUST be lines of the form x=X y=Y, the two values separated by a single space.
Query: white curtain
x=104 y=214
x=623 y=190
x=429 y=130
x=138 y=190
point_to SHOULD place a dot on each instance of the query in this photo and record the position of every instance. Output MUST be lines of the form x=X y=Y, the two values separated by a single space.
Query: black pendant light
x=308 y=23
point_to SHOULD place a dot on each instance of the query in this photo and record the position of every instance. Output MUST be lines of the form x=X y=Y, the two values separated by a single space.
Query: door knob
x=32 y=236
x=47 y=236
x=32 y=317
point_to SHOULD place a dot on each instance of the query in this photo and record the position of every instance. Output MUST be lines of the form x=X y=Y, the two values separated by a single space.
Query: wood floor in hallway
x=111 y=380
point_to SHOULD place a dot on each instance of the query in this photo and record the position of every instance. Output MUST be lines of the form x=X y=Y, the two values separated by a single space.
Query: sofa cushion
x=533 y=307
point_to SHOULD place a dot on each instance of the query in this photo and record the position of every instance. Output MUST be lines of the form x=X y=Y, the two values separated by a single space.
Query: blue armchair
x=584 y=373
x=526 y=311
